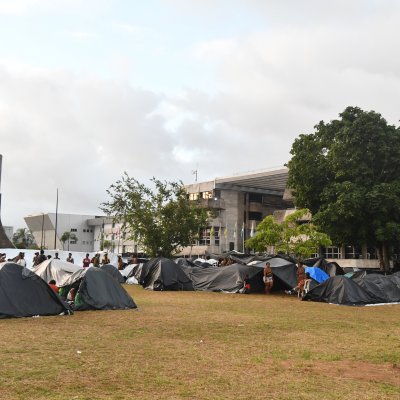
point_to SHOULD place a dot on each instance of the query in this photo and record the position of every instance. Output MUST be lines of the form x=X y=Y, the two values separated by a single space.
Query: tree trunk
x=385 y=256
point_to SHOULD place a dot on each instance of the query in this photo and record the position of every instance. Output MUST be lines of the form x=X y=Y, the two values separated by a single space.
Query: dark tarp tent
x=385 y=288
x=341 y=290
x=226 y=279
x=284 y=272
x=163 y=274
x=98 y=290
x=113 y=271
x=332 y=268
x=24 y=294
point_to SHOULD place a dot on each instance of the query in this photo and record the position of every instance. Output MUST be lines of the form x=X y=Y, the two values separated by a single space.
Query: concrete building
x=90 y=230
x=9 y=231
x=237 y=203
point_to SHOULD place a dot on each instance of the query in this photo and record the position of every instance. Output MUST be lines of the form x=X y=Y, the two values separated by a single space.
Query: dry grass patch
x=205 y=346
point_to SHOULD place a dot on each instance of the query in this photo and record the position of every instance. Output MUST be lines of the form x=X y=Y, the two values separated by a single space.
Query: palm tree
x=67 y=237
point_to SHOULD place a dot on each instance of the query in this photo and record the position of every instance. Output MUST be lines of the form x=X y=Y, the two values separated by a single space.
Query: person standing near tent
x=105 y=259
x=3 y=257
x=40 y=258
x=21 y=259
x=86 y=261
x=268 y=278
x=96 y=260
x=56 y=256
x=70 y=258
x=300 y=273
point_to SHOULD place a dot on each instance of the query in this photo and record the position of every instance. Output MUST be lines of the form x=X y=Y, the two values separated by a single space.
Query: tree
x=23 y=239
x=68 y=237
x=293 y=236
x=162 y=220
x=346 y=173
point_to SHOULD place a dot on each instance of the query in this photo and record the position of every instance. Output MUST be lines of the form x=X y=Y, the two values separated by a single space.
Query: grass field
x=195 y=345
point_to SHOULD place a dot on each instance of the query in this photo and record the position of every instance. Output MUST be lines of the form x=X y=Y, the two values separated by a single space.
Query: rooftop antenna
x=194 y=172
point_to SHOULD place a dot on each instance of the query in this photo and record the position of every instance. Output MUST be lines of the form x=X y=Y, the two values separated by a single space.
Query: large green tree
x=347 y=174
x=159 y=218
x=294 y=236
x=23 y=239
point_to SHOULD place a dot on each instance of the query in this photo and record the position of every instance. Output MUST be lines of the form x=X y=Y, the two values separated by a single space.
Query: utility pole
x=55 y=232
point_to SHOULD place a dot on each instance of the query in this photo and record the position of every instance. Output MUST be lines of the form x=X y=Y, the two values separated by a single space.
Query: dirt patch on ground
x=388 y=373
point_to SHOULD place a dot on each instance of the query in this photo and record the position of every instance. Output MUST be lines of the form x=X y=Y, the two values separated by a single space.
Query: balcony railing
x=217 y=204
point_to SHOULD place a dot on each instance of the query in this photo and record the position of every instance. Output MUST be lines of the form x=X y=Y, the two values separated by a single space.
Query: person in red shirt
x=86 y=261
x=53 y=286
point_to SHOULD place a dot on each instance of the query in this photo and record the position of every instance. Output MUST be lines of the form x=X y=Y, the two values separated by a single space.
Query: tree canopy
x=68 y=237
x=161 y=219
x=23 y=239
x=294 y=236
x=347 y=174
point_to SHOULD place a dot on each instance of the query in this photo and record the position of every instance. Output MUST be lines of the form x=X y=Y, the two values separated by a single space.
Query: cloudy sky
x=92 y=88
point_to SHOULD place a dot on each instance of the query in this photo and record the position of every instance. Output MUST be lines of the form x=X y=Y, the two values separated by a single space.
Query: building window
x=205 y=237
x=74 y=230
x=255 y=198
x=206 y=195
x=217 y=194
x=255 y=216
x=332 y=252
x=216 y=236
x=72 y=242
x=193 y=196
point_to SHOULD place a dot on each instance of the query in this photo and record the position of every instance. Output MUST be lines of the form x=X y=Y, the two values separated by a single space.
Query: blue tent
x=317 y=274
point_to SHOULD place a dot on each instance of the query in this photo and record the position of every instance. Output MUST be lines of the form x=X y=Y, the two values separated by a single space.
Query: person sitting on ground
x=56 y=256
x=247 y=286
x=86 y=261
x=53 y=286
x=268 y=278
x=69 y=258
x=71 y=296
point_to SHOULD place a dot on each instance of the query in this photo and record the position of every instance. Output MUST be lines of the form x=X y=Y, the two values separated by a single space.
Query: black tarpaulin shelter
x=24 y=294
x=341 y=290
x=226 y=279
x=163 y=274
x=332 y=268
x=283 y=269
x=385 y=288
x=110 y=269
x=98 y=290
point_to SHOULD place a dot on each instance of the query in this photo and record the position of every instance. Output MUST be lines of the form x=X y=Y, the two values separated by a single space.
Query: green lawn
x=197 y=345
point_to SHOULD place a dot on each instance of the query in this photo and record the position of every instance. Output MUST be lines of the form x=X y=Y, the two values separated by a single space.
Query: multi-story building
x=91 y=232
x=236 y=205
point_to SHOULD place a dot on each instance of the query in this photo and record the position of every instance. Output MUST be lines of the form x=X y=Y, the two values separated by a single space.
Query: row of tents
x=329 y=282
x=25 y=292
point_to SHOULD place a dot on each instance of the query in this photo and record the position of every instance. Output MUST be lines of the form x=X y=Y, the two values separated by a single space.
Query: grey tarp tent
x=283 y=269
x=385 y=288
x=113 y=271
x=226 y=279
x=98 y=290
x=163 y=274
x=341 y=290
x=55 y=269
x=24 y=294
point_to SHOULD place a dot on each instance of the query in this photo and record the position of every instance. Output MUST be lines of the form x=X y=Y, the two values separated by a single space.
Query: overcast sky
x=92 y=88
